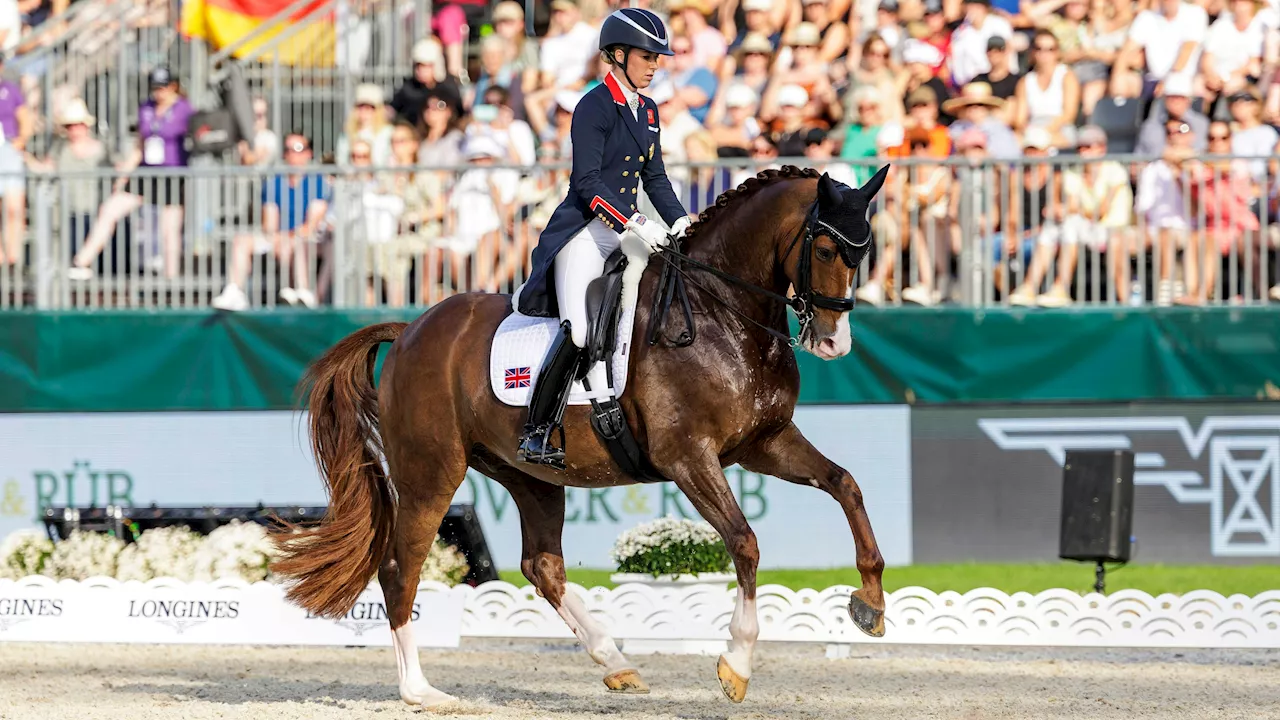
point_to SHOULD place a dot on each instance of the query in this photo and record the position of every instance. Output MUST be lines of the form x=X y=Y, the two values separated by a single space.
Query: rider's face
x=641 y=65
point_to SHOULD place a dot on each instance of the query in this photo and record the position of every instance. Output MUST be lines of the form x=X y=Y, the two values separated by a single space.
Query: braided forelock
x=749 y=187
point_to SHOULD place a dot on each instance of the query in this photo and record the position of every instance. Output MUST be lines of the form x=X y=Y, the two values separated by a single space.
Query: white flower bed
x=670 y=546
x=237 y=550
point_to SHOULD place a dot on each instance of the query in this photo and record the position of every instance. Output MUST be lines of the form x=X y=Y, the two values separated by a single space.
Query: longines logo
x=365 y=616
x=183 y=614
x=1242 y=452
x=15 y=611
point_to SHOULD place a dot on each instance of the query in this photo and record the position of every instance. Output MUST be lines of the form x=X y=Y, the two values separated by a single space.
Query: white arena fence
x=981 y=235
x=681 y=619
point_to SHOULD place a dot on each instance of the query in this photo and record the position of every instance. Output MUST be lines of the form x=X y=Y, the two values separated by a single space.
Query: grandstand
x=352 y=153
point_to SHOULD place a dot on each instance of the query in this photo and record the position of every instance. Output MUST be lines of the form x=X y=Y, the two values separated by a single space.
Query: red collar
x=615 y=90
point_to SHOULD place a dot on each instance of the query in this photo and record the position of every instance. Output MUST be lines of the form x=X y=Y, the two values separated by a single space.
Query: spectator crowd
x=1000 y=117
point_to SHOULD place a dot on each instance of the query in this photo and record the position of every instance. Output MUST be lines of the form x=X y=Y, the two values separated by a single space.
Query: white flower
x=84 y=555
x=23 y=553
x=661 y=533
x=236 y=550
x=162 y=552
x=445 y=564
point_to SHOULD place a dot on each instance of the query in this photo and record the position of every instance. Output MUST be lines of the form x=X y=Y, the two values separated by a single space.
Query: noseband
x=802 y=303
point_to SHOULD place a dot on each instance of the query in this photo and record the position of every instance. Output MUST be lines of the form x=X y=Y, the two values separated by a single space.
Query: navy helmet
x=637 y=28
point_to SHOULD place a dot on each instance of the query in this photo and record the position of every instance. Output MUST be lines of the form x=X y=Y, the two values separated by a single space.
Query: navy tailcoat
x=612 y=153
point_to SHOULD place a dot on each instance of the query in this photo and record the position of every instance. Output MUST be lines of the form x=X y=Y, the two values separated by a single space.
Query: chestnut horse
x=726 y=398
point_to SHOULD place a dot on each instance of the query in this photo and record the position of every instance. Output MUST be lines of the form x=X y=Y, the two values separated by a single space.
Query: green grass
x=1154 y=579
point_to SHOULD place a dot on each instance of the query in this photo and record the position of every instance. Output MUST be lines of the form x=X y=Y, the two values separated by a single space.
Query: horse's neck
x=744 y=243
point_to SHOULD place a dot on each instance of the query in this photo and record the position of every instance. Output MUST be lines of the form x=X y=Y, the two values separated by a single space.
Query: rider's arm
x=656 y=184
x=591 y=123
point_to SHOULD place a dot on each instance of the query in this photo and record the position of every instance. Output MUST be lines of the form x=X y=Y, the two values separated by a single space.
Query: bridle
x=802 y=303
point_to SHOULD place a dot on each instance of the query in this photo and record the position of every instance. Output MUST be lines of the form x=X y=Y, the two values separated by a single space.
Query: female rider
x=616 y=144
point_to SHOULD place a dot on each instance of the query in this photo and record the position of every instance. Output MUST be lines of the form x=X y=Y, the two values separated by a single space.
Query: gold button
x=627 y=158
x=622 y=190
x=624 y=173
x=633 y=191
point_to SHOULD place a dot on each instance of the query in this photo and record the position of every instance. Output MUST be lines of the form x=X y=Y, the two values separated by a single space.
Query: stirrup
x=537 y=448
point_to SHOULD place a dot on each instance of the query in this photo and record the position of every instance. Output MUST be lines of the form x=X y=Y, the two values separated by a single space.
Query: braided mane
x=748 y=187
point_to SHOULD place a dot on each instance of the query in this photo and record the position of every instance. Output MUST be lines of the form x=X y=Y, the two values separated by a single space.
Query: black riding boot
x=546 y=407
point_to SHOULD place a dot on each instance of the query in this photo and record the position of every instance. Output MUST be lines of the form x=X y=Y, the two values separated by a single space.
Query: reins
x=803 y=302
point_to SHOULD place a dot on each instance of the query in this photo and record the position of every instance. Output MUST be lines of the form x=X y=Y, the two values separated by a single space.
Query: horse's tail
x=328 y=565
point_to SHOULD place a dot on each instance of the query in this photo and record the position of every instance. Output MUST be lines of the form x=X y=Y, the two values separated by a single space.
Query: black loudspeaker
x=1097 y=506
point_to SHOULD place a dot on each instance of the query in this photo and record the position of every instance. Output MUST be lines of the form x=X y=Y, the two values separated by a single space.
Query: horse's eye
x=826 y=254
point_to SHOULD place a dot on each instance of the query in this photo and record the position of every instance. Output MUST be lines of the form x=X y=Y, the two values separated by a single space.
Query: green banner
x=199 y=360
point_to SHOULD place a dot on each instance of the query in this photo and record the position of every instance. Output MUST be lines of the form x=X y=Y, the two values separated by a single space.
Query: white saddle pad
x=521 y=342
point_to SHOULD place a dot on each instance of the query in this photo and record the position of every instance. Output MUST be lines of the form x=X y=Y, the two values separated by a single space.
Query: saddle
x=604 y=302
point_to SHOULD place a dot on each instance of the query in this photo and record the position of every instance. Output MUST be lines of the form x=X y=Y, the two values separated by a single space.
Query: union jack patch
x=516 y=378
x=651 y=120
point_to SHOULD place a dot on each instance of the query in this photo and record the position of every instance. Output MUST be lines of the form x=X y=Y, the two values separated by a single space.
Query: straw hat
x=974 y=93
x=805 y=33
x=75 y=112
x=754 y=42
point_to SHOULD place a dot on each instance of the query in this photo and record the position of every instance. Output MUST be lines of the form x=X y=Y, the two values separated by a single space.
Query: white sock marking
x=595 y=639
x=744 y=628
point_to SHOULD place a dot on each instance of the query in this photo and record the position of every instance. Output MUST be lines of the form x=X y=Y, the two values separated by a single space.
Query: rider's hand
x=680 y=226
x=650 y=233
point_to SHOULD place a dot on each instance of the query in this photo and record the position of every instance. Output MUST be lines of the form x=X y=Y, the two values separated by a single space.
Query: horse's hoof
x=627 y=682
x=733 y=685
x=868 y=619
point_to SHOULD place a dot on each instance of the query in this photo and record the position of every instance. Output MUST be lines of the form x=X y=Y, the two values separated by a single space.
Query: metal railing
x=1051 y=233
x=100 y=51
x=308 y=59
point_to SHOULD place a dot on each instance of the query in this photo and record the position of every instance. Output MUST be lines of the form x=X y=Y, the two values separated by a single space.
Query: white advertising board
x=245 y=458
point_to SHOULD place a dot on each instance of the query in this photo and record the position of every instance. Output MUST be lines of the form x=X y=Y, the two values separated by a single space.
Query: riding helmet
x=637 y=28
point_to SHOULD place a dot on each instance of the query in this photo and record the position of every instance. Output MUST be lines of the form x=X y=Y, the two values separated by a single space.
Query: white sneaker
x=289 y=295
x=232 y=299
x=871 y=293
x=920 y=295
x=79 y=273
x=306 y=297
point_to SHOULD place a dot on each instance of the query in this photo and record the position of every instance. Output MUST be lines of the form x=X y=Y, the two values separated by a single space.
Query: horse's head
x=826 y=268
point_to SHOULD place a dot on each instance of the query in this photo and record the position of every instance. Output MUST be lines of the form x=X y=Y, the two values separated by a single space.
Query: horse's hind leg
x=426 y=485
x=542 y=525
x=790 y=456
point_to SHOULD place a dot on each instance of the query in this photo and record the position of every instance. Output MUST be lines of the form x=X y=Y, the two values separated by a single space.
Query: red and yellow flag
x=223 y=23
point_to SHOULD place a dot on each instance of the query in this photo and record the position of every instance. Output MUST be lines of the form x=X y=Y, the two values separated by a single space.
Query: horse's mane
x=748 y=187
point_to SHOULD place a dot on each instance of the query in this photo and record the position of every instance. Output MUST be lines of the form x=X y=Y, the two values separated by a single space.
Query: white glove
x=649 y=233
x=679 y=227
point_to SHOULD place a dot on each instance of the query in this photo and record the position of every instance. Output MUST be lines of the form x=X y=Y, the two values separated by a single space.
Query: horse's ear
x=828 y=193
x=873 y=185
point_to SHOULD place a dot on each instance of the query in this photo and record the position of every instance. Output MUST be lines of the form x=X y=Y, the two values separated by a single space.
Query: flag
x=516 y=378
x=223 y=23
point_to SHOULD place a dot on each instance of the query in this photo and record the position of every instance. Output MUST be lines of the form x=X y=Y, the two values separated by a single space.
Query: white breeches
x=579 y=262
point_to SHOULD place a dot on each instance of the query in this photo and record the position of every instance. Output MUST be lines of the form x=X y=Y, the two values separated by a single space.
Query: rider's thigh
x=576 y=265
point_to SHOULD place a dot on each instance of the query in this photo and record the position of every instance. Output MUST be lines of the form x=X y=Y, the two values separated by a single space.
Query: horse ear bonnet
x=843 y=212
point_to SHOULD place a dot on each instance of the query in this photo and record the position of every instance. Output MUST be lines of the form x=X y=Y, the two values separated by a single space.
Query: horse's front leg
x=788 y=455
x=704 y=483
